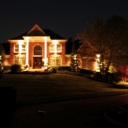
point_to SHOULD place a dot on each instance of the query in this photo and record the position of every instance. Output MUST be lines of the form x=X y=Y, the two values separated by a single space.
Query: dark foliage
x=52 y=70
x=62 y=68
x=15 y=68
x=107 y=77
x=85 y=71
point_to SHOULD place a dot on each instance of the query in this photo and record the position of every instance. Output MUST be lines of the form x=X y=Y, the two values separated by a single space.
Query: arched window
x=37 y=50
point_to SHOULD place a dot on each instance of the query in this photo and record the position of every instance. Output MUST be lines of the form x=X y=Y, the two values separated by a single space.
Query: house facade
x=37 y=49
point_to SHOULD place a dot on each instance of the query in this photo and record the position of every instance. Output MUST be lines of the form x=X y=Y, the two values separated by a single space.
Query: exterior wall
x=11 y=53
x=7 y=60
x=62 y=55
x=67 y=60
x=31 y=55
x=88 y=63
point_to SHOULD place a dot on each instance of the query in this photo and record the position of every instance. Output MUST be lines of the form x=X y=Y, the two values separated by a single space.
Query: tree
x=92 y=39
x=74 y=61
x=105 y=38
x=116 y=39
x=2 y=53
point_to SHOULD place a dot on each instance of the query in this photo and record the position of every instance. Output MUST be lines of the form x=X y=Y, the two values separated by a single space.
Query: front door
x=37 y=62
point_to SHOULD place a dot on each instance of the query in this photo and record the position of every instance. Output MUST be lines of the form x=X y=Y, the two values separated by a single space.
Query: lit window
x=55 y=61
x=51 y=47
x=37 y=50
x=23 y=48
x=20 y=59
x=16 y=48
x=59 y=48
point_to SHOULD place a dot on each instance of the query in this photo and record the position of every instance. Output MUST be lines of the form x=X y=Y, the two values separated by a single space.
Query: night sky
x=66 y=17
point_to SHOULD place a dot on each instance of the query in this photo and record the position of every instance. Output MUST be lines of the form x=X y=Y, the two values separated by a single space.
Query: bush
x=51 y=70
x=107 y=78
x=116 y=77
x=16 y=68
x=97 y=76
x=6 y=68
x=85 y=71
x=63 y=68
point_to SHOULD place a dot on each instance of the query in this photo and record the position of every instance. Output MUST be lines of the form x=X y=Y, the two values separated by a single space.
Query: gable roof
x=37 y=31
x=52 y=34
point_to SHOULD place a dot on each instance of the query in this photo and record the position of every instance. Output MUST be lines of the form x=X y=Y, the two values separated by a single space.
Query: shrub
x=16 y=68
x=97 y=76
x=62 y=68
x=6 y=67
x=51 y=70
x=85 y=71
x=116 y=77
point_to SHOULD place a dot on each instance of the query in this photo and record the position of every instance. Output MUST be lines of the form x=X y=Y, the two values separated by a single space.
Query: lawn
x=34 y=91
x=45 y=88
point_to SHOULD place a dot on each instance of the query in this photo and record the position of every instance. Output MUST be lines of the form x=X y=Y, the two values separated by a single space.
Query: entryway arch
x=37 y=58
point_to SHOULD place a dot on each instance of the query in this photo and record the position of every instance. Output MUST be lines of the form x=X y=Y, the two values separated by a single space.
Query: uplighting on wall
x=98 y=62
x=55 y=42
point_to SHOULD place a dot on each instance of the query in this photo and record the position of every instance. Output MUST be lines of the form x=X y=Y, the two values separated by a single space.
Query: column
x=55 y=42
x=45 y=52
x=27 y=51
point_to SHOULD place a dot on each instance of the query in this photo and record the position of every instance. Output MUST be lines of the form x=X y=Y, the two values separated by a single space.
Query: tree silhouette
x=107 y=38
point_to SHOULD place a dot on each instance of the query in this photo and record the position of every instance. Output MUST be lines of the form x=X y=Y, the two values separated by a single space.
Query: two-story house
x=38 y=48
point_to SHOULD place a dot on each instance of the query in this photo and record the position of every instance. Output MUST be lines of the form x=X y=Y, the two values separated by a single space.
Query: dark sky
x=66 y=17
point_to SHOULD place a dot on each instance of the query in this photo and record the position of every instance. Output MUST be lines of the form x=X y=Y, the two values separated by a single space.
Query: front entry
x=37 y=62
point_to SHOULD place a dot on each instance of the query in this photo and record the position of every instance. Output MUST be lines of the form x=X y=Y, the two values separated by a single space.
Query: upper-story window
x=23 y=48
x=19 y=48
x=51 y=47
x=58 y=48
x=16 y=48
x=37 y=50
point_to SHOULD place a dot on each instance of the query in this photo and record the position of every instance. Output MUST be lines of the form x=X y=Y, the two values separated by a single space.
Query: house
x=88 y=60
x=38 y=48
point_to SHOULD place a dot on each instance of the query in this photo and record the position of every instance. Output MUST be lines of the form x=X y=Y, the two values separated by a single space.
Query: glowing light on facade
x=27 y=53
x=55 y=42
x=20 y=42
x=98 y=62
x=45 y=51
x=56 y=57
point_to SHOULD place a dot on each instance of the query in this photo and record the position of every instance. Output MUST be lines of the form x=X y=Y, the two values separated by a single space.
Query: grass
x=36 y=91
x=45 y=88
